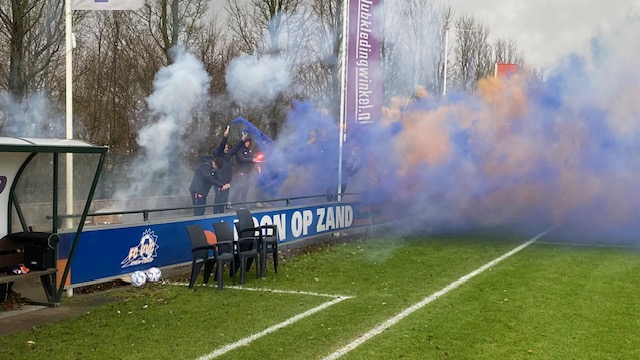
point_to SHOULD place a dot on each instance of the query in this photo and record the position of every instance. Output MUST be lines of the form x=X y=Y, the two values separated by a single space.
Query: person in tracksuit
x=244 y=166
x=350 y=166
x=226 y=173
x=206 y=175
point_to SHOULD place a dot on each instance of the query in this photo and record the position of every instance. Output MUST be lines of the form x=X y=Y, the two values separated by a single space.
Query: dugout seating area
x=28 y=255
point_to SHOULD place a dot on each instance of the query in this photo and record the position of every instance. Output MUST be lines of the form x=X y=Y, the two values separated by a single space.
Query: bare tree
x=173 y=22
x=506 y=51
x=34 y=33
x=413 y=52
x=321 y=77
x=117 y=60
x=273 y=28
x=211 y=47
x=105 y=89
x=215 y=50
x=473 y=56
x=272 y=15
x=258 y=24
x=110 y=84
x=241 y=24
x=31 y=38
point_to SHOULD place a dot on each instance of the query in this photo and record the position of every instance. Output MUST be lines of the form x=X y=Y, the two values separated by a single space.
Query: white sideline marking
x=268 y=331
x=247 y=340
x=392 y=321
x=293 y=292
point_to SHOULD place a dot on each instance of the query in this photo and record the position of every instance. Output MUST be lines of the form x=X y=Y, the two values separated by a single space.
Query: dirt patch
x=15 y=300
x=90 y=289
x=323 y=244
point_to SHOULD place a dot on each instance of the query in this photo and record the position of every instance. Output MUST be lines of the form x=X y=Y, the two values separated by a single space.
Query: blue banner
x=111 y=251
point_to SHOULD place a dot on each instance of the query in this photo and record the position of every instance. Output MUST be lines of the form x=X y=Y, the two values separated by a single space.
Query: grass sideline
x=548 y=301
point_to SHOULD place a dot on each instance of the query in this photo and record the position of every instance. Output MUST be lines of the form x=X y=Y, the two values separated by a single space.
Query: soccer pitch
x=482 y=295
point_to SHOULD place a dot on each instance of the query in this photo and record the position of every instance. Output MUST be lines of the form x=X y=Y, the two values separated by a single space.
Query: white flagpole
x=343 y=88
x=69 y=105
x=68 y=11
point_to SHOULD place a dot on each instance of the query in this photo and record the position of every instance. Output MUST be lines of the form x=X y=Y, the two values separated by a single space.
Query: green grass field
x=374 y=298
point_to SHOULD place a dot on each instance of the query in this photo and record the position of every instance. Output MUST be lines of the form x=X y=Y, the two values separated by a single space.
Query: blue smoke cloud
x=518 y=152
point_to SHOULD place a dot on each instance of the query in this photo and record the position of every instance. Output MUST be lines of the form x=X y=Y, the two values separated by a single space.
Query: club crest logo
x=144 y=252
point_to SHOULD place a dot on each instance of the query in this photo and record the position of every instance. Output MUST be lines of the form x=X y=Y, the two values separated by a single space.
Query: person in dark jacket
x=350 y=167
x=226 y=172
x=207 y=174
x=244 y=166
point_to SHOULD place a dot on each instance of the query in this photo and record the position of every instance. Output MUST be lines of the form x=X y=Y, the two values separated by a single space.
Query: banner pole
x=343 y=93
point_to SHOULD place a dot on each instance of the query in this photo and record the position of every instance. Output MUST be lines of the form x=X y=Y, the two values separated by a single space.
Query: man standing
x=244 y=163
x=226 y=173
x=350 y=167
x=207 y=174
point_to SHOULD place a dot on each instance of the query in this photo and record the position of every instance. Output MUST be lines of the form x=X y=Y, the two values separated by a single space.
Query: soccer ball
x=138 y=278
x=153 y=274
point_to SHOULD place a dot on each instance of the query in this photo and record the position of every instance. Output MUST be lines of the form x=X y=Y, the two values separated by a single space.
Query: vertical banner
x=364 y=77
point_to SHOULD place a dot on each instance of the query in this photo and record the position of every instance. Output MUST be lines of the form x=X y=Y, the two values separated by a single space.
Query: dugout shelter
x=17 y=155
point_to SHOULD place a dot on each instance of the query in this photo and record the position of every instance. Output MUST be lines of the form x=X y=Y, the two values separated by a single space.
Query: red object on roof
x=505 y=69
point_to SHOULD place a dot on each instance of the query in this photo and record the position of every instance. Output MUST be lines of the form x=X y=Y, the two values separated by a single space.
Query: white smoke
x=255 y=81
x=179 y=89
x=33 y=116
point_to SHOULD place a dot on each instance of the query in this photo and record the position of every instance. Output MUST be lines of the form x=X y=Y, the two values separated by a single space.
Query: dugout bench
x=35 y=251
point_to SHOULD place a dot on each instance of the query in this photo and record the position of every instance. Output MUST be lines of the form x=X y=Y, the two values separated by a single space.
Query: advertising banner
x=364 y=76
x=112 y=251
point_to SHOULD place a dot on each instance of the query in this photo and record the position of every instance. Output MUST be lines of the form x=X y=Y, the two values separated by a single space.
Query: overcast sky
x=546 y=30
